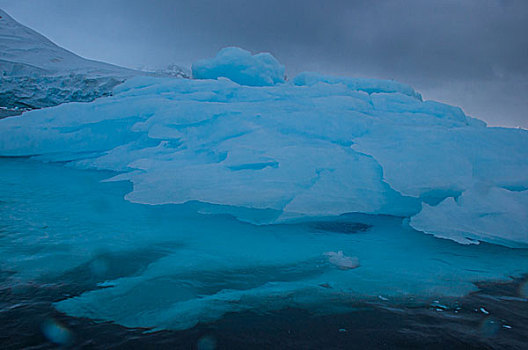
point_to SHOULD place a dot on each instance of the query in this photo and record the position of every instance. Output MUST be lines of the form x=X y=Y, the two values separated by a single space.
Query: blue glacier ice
x=314 y=146
x=244 y=191
x=240 y=66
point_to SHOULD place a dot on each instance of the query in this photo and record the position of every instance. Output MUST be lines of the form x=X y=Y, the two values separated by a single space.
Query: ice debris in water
x=342 y=261
x=313 y=146
x=484 y=311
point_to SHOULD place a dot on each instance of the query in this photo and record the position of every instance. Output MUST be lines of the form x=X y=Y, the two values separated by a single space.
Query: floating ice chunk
x=241 y=67
x=438 y=306
x=342 y=261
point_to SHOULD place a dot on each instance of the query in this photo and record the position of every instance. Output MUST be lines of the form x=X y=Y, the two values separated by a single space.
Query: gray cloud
x=472 y=53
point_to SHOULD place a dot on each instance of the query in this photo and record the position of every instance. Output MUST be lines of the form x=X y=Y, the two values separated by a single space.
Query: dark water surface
x=380 y=325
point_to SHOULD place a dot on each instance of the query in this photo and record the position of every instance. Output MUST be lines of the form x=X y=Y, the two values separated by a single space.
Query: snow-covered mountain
x=37 y=73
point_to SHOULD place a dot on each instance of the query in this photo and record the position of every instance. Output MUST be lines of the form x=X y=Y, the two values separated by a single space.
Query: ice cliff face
x=314 y=146
x=36 y=73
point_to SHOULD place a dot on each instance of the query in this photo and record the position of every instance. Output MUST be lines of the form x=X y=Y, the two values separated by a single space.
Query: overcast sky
x=470 y=53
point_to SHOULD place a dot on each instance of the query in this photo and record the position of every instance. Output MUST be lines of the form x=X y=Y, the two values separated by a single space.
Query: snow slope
x=36 y=73
x=314 y=146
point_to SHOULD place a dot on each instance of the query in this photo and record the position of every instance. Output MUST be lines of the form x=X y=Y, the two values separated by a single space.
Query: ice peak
x=242 y=67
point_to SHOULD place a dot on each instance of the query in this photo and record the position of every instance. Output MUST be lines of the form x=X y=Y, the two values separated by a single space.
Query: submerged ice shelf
x=169 y=267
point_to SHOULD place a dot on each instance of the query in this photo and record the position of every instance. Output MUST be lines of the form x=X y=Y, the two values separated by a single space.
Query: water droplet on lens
x=56 y=332
x=206 y=343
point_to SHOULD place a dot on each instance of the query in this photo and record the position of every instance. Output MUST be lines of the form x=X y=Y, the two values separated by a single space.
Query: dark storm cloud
x=471 y=53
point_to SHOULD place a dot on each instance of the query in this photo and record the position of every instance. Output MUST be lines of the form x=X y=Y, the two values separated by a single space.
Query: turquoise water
x=171 y=267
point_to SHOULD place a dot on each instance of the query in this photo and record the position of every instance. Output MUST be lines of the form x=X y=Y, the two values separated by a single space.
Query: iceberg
x=175 y=201
x=315 y=146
